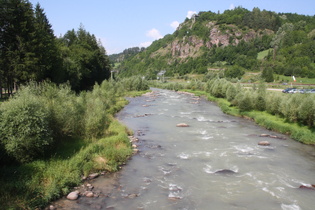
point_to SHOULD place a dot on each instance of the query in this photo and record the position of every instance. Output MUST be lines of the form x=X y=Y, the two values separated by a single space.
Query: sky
x=122 y=24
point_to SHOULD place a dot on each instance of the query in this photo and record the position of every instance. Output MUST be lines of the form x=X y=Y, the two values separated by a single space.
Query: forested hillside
x=30 y=51
x=237 y=40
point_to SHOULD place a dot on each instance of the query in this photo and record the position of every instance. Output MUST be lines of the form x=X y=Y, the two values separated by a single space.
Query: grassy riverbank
x=34 y=184
x=298 y=132
x=83 y=137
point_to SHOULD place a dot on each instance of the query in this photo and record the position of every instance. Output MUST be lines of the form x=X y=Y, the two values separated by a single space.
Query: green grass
x=137 y=93
x=299 y=80
x=261 y=55
x=33 y=185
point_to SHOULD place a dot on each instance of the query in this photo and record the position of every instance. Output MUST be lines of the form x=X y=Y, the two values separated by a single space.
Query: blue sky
x=121 y=24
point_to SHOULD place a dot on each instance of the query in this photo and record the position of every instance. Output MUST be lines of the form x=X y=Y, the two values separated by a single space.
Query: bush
x=95 y=119
x=246 y=103
x=306 y=111
x=24 y=127
x=231 y=93
x=273 y=102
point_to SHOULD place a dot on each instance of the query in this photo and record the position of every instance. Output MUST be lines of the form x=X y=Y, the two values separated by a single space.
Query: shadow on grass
x=66 y=148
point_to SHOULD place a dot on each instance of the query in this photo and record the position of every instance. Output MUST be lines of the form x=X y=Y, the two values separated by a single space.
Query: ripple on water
x=175 y=192
x=290 y=207
x=183 y=156
x=185 y=113
x=207 y=137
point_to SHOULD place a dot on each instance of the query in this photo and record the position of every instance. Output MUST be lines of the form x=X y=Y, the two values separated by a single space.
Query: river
x=215 y=163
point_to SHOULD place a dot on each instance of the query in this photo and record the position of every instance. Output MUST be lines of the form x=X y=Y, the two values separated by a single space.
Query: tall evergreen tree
x=49 y=63
x=17 y=42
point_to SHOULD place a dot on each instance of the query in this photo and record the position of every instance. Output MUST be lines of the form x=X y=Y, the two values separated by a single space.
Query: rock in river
x=225 y=171
x=309 y=187
x=264 y=143
x=182 y=125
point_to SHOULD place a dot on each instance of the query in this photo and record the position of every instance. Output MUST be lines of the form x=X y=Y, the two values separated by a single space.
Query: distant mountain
x=119 y=57
x=234 y=38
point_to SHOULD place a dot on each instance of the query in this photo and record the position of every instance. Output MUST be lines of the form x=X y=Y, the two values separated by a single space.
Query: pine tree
x=17 y=42
x=47 y=53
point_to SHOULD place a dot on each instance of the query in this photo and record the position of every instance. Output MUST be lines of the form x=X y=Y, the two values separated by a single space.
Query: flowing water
x=215 y=163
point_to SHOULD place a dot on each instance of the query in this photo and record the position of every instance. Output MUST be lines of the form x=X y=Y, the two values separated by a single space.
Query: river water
x=215 y=163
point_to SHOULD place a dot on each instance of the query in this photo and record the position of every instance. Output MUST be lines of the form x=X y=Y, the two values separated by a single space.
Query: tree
x=17 y=34
x=234 y=72
x=267 y=74
x=49 y=63
x=84 y=58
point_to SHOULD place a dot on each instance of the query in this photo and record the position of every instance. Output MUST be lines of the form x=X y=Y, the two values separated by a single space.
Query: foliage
x=59 y=136
x=234 y=72
x=24 y=127
x=30 y=51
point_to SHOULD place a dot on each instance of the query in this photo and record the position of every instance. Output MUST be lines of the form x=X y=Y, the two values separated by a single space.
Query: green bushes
x=135 y=83
x=24 y=127
x=58 y=136
x=41 y=115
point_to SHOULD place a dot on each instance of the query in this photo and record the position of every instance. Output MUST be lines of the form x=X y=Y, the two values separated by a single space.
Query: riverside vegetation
x=51 y=137
x=291 y=114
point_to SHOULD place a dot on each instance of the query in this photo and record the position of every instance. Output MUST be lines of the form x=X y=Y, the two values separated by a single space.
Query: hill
x=232 y=39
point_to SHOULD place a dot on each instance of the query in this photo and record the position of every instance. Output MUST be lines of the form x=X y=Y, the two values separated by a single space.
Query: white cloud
x=154 y=33
x=232 y=7
x=145 y=44
x=191 y=13
x=174 y=24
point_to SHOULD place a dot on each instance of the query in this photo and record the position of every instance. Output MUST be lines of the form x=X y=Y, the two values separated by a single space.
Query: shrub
x=290 y=107
x=246 y=102
x=306 y=111
x=273 y=102
x=95 y=119
x=231 y=93
x=24 y=127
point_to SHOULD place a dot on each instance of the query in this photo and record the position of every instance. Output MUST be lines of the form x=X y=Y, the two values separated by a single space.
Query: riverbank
x=35 y=184
x=271 y=122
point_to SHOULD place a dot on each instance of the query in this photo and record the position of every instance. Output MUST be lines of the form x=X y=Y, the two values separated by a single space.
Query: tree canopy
x=29 y=50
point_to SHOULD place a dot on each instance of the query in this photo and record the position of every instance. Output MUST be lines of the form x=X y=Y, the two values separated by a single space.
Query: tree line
x=29 y=50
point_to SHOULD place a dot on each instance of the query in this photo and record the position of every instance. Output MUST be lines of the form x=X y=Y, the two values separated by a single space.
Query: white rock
x=73 y=195
x=93 y=176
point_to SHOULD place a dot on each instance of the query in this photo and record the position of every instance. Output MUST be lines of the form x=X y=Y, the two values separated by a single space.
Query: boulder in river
x=264 y=143
x=182 y=125
x=225 y=171
x=73 y=195
x=308 y=187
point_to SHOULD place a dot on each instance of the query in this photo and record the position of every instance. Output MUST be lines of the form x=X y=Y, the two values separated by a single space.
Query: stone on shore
x=73 y=195
x=89 y=194
x=93 y=176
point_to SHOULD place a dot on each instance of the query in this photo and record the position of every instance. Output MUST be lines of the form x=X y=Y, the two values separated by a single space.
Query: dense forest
x=233 y=39
x=30 y=51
